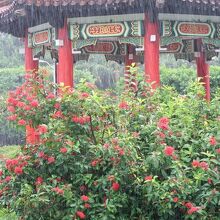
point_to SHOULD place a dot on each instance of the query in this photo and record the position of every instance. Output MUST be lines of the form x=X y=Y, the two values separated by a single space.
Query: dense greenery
x=9 y=51
x=104 y=76
x=9 y=151
x=10 y=79
x=141 y=155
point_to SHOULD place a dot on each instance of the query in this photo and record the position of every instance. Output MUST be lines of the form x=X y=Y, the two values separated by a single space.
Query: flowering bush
x=140 y=155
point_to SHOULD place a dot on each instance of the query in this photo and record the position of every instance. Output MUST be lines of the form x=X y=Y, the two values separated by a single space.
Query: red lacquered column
x=152 y=52
x=204 y=74
x=65 y=65
x=31 y=65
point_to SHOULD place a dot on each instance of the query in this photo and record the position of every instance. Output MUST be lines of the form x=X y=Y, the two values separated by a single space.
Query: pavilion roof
x=20 y=13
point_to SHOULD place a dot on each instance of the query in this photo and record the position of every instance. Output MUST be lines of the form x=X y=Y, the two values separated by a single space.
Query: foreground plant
x=140 y=155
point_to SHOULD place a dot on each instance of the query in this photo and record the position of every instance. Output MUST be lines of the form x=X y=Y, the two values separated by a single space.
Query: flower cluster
x=16 y=165
x=81 y=120
x=202 y=164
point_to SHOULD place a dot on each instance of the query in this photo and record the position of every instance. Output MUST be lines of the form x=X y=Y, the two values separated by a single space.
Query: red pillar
x=203 y=73
x=65 y=65
x=152 y=52
x=31 y=65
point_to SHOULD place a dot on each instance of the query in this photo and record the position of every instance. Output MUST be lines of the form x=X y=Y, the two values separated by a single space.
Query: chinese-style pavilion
x=124 y=30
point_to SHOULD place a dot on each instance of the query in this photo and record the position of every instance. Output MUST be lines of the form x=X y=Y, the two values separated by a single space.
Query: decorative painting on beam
x=105 y=47
x=43 y=41
x=106 y=30
x=125 y=32
x=184 y=46
x=187 y=49
x=172 y=48
x=214 y=42
x=190 y=29
x=40 y=38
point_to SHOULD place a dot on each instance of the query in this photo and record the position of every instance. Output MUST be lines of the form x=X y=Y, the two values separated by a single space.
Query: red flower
x=20 y=104
x=12 y=117
x=94 y=163
x=27 y=76
x=168 y=151
x=29 y=98
x=58 y=190
x=192 y=210
x=21 y=122
x=81 y=215
x=209 y=181
x=123 y=105
x=50 y=96
x=75 y=119
x=87 y=205
x=115 y=186
x=42 y=129
x=163 y=123
x=11 y=108
x=1 y=172
x=204 y=165
x=7 y=178
x=120 y=151
x=189 y=205
x=51 y=160
x=63 y=150
x=175 y=199
x=161 y=135
x=27 y=108
x=83 y=188
x=212 y=141
x=148 y=178
x=164 y=120
x=106 y=145
x=84 y=198
x=218 y=150
x=18 y=170
x=84 y=95
x=41 y=154
x=57 y=114
x=81 y=120
x=34 y=103
x=39 y=180
x=11 y=163
x=195 y=163
x=57 y=105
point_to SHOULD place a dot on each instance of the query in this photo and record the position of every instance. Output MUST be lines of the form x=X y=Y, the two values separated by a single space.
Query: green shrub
x=143 y=155
x=181 y=77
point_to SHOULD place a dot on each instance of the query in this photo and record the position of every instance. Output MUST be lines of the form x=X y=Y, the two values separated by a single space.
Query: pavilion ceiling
x=17 y=15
